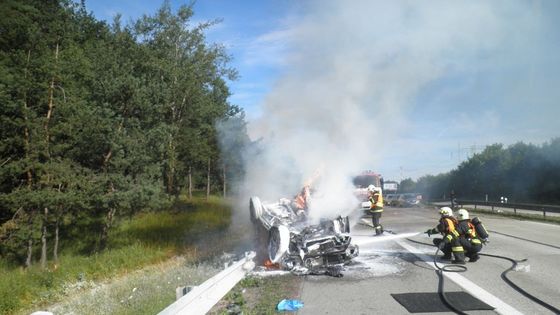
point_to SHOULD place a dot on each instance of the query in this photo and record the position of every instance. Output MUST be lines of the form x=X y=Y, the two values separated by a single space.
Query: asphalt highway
x=400 y=261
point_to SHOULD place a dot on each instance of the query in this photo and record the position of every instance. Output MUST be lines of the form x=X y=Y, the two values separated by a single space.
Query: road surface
x=401 y=263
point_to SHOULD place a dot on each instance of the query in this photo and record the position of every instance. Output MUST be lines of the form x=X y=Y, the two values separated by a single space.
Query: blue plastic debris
x=289 y=305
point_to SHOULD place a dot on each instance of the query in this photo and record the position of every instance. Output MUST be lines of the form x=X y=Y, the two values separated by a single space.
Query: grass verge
x=259 y=295
x=144 y=240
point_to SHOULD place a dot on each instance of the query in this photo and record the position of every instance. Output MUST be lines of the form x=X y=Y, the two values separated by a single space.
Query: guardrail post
x=514 y=210
x=204 y=296
x=475 y=206
x=544 y=212
x=492 y=208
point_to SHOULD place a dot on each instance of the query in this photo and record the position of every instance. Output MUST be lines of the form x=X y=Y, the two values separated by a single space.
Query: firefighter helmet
x=462 y=214
x=446 y=211
x=371 y=188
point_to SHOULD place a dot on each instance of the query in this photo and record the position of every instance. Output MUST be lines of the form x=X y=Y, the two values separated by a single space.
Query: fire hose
x=518 y=288
x=440 y=271
x=460 y=268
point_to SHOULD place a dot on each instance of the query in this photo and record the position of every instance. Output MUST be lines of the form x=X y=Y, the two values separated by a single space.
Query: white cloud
x=269 y=49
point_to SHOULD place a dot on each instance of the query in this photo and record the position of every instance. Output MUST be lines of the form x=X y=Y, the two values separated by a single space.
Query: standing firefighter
x=453 y=199
x=376 y=208
x=471 y=236
x=450 y=242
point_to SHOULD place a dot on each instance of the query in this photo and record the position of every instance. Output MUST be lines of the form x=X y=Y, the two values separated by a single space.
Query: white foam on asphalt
x=368 y=265
x=375 y=260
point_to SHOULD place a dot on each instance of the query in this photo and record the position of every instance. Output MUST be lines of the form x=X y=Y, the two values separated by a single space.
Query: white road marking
x=471 y=287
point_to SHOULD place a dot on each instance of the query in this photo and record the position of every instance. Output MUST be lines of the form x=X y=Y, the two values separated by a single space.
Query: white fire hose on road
x=202 y=298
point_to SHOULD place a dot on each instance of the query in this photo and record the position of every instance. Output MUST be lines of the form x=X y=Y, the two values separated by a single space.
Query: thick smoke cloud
x=354 y=70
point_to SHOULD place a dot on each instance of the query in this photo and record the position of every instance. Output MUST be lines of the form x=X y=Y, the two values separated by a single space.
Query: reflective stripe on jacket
x=376 y=201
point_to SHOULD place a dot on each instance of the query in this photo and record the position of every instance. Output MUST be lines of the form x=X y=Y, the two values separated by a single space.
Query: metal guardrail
x=203 y=297
x=515 y=206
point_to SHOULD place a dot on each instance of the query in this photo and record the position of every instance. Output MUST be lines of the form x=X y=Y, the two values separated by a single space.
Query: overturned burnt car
x=300 y=247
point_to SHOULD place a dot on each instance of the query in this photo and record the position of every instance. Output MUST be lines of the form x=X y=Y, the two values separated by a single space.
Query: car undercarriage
x=299 y=246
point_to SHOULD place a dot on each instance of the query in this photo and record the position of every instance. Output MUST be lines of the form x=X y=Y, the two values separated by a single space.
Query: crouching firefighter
x=472 y=234
x=450 y=242
x=376 y=208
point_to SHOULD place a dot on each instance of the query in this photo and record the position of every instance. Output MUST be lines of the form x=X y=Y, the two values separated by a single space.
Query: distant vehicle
x=406 y=200
x=361 y=183
x=389 y=198
x=390 y=187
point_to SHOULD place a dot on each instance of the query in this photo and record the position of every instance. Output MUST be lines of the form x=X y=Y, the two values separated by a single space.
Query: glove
x=429 y=232
x=485 y=240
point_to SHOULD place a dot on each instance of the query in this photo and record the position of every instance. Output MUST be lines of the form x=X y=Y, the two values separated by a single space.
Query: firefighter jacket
x=448 y=228
x=467 y=231
x=376 y=202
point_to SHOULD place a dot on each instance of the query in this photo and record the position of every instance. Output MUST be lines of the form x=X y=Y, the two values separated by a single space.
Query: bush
x=145 y=239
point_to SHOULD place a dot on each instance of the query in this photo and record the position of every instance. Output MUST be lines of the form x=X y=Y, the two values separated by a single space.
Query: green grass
x=146 y=239
x=260 y=295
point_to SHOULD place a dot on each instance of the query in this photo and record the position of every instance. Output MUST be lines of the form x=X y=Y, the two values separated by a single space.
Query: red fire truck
x=362 y=181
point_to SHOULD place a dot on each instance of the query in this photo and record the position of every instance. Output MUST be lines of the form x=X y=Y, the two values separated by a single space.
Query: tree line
x=524 y=173
x=101 y=120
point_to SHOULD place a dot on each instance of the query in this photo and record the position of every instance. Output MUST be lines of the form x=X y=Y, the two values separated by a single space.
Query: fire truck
x=362 y=181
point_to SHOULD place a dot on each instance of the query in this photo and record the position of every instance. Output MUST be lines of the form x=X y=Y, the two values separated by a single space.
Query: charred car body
x=302 y=248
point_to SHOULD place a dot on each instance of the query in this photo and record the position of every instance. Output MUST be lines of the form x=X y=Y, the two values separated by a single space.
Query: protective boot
x=378 y=230
x=459 y=257
x=474 y=258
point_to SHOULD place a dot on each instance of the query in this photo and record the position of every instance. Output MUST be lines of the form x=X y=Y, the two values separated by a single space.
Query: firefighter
x=453 y=199
x=376 y=208
x=450 y=242
x=468 y=238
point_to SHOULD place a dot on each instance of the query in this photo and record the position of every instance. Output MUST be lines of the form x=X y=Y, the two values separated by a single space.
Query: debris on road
x=289 y=305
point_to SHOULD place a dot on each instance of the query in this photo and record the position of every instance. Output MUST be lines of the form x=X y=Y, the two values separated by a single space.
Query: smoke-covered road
x=396 y=263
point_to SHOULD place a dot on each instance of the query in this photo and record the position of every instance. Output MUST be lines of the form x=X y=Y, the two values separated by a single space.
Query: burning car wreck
x=298 y=246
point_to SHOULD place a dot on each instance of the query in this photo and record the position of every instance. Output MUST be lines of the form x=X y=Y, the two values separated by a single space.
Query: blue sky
x=244 y=31
x=436 y=81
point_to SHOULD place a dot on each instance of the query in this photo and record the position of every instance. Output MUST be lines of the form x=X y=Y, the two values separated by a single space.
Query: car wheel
x=255 y=208
x=278 y=242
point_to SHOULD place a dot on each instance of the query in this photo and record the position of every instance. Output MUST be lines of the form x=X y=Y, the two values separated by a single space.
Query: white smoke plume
x=352 y=70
